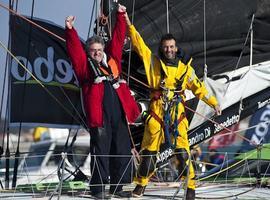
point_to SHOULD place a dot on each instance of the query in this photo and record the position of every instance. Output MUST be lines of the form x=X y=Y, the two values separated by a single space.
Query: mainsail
x=238 y=98
x=226 y=25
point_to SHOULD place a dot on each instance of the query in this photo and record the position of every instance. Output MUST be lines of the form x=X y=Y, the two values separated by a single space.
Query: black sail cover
x=45 y=57
x=227 y=23
x=224 y=27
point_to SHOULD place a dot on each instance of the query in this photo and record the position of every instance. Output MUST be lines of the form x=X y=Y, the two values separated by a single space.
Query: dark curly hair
x=165 y=37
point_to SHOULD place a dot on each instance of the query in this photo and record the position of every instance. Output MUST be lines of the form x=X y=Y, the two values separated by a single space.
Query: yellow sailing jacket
x=153 y=68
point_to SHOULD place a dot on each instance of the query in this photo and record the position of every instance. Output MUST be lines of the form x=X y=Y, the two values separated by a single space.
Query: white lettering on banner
x=207 y=132
x=230 y=121
x=262 y=128
x=48 y=63
x=262 y=104
x=164 y=155
x=61 y=71
x=15 y=70
x=65 y=68
x=197 y=138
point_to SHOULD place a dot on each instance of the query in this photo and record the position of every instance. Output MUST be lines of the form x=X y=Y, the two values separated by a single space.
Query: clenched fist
x=70 y=21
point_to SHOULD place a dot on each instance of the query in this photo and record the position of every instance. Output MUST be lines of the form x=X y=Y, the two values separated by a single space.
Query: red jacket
x=93 y=93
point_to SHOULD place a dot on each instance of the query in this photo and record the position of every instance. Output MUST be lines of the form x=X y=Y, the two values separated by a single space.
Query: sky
x=52 y=10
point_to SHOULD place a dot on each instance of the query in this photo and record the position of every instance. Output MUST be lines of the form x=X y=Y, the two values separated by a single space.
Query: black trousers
x=110 y=147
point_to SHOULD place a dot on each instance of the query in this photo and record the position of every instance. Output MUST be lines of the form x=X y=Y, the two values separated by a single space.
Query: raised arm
x=115 y=46
x=75 y=50
x=138 y=43
x=143 y=52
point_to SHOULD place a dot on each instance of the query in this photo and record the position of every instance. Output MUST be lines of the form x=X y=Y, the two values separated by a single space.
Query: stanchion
x=186 y=182
x=59 y=186
x=259 y=156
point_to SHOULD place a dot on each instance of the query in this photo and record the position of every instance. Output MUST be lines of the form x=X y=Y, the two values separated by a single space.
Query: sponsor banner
x=261 y=133
x=229 y=117
x=45 y=57
x=222 y=139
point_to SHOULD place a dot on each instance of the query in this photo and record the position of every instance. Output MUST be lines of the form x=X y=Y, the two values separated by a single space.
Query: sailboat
x=232 y=56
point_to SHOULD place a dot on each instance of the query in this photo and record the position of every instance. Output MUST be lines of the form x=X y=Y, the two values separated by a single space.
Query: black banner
x=229 y=117
x=45 y=57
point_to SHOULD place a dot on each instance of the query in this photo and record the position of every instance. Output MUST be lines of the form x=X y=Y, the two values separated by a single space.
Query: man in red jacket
x=108 y=104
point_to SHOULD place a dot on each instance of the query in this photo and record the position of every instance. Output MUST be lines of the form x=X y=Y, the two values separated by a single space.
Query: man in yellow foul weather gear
x=168 y=75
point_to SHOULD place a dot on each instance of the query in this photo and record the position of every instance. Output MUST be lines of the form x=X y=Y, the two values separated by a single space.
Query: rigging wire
x=208 y=119
x=7 y=153
x=17 y=154
x=7 y=116
x=247 y=73
x=67 y=97
x=229 y=167
x=251 y=40
x=19 y=63
x=3 y=88
x=167 y=16
x=31 y=22
x=2 y=6
x=223 y=127
x=97 y=17
x=91 y=19
x=41 y=84
x=130 y=44
x=204 y=38
x=241 y=53
x=58 y=37
x=110 y=18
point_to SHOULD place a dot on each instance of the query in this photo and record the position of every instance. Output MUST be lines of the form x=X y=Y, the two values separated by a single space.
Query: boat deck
x=159 y=191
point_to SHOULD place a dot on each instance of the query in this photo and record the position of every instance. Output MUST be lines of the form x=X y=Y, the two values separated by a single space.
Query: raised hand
x=127 y=19
x=69 y=21
x=218 y=110
x=121 y=8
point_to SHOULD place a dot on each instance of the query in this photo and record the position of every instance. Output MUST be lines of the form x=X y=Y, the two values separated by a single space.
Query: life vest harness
x=170 y=128
x=166 y=123
x=109 y=73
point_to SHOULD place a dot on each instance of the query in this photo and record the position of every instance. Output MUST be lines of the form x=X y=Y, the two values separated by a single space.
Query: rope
x=133 y=149
x=204 y=38
x=41 y=84
x=223 y=127
x=226 y=197
x=131 y=77
x=144 y=84
x=219 y=172
x=240 y=56
x=16 y=163
x=137 y=80
x=130 y=45
x=110 y=19
x=167 y=16
x=91 y=19
x=245 y=129
x=251 y=40
x=7 y=154
x=3 y=90
x=60 y=38
x=31 y=22
x=7 y=116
